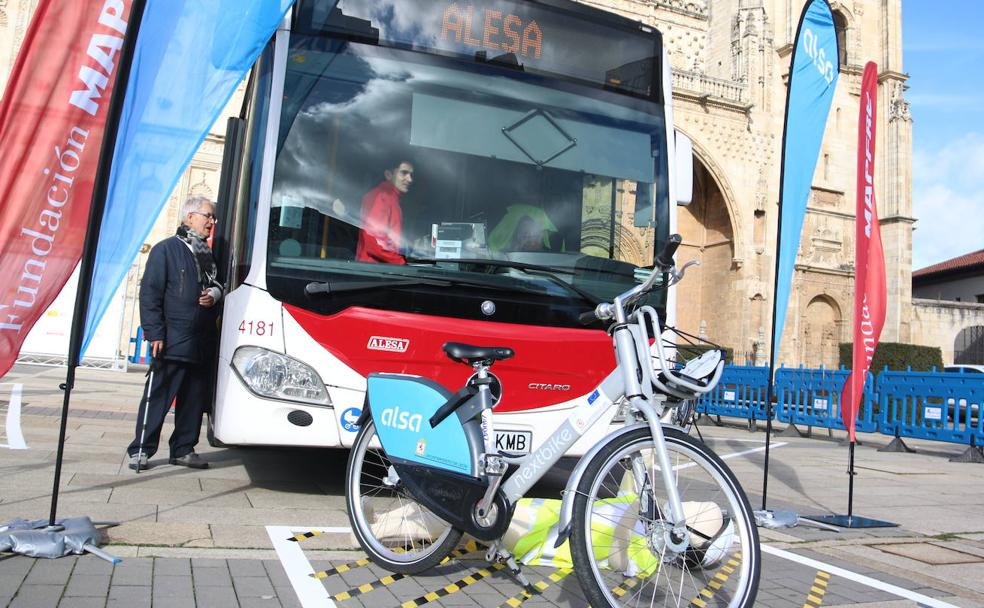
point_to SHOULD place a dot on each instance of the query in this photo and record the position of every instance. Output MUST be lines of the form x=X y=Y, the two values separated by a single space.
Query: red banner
x=52 y=120
x=869 y=257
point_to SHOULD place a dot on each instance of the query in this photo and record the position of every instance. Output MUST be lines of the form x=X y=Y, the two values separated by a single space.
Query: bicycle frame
x=643 y=393
x=623 y=381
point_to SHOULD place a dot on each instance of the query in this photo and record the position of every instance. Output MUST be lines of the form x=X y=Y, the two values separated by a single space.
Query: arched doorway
x=820 y=335
x=707 y=302
x=968 y=348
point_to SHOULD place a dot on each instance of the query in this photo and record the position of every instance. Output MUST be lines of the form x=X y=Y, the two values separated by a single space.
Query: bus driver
x=382 y=218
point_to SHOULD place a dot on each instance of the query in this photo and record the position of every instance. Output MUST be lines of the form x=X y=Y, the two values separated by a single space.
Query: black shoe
x=191 y=460
x=138 y=462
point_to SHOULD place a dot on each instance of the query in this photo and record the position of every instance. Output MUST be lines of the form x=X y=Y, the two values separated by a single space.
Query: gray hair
x=194 y=203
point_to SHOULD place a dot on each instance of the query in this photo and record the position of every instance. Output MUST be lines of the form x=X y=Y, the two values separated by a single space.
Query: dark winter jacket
x=169 y=309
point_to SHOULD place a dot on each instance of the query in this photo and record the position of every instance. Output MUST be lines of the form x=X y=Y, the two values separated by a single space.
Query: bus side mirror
x=684 y=168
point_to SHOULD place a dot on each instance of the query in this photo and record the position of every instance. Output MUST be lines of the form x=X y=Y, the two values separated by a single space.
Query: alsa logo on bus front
x=393 y=345
x=394 y=418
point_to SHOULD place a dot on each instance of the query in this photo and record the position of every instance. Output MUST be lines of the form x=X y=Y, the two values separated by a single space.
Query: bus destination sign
x=571 y=43
x=492 y=30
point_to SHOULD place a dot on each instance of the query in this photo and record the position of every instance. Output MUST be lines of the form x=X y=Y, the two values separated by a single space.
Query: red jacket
x=382 y=225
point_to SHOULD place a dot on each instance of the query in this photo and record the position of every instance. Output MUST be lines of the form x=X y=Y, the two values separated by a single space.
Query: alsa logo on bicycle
x=394 y=418
x=393 y=345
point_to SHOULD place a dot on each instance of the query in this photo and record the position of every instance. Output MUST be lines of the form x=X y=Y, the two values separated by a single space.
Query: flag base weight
x=790 y=431
x=897 y=445
x=849 y=521
x=971 y=454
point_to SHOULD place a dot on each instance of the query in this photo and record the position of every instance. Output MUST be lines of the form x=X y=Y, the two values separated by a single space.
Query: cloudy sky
x=944 y=56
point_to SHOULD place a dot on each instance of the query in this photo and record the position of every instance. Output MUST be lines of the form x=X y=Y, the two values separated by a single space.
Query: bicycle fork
x=628 y=362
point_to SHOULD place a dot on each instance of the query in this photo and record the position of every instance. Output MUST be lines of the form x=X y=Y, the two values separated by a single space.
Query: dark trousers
x=187 y=382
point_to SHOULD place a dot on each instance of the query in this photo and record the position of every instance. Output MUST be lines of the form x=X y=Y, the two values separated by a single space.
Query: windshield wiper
x=380 y=283
x=548 y=272
x=330 y=287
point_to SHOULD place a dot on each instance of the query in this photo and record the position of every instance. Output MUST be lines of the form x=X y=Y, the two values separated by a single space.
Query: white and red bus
x=514 y=114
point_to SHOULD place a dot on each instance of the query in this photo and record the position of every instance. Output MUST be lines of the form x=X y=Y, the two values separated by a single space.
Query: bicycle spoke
x=630 y=548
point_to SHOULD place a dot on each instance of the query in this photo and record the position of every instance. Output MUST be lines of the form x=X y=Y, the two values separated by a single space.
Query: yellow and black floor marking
x=378 y=584
x=306 y=535
x=538 y=588
x=626 y=585
x=449 y=589
x=365 y=561
x=470 y=547
x=815 y=597
x=716 y=582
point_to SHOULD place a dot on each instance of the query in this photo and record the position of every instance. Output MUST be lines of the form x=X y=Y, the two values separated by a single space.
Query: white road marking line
x=730 y=455
x=15 y=439
x=752 y=451
x=311 y=593
x=922 y=600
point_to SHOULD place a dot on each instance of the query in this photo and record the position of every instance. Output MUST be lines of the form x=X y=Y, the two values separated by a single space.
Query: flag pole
x=770 y=386
x=850 y=483
x=869 y=283
x=798 y=163
x=100 y=187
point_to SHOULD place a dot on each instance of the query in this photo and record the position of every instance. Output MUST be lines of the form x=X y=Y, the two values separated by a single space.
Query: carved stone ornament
x=692 y=8
x=898 y=107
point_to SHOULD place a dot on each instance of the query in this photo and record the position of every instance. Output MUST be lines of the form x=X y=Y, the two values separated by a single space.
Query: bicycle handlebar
x=665 y=258
x=587 y=317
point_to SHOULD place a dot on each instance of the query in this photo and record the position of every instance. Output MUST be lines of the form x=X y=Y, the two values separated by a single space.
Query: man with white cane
x=178 y=296
x=140 y=459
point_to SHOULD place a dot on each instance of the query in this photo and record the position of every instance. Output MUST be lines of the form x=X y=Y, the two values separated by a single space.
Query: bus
x=545 y=178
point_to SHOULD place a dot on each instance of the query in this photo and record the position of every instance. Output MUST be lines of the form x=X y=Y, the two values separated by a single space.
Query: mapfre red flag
x=869 y=257
x=52 y=120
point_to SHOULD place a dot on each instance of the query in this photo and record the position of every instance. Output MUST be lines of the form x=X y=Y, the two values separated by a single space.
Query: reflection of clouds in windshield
x=377 y=109
x=334 y=149
x=409 y=25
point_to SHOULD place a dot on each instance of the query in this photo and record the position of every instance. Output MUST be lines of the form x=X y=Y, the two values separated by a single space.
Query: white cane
x=143 y=427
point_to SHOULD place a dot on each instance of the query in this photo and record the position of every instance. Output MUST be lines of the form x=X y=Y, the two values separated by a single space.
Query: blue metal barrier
x=929 y=405
x=140 y=349
x=740 y=393
x=811 y=397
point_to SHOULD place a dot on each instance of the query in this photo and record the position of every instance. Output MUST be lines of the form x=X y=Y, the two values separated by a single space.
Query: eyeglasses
x=209 y=216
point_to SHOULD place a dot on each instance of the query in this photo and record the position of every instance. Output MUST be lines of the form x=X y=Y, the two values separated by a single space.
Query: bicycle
x=653 y=516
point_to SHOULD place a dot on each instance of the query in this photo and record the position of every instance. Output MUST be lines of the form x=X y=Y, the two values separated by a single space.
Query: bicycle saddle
x=466 y=353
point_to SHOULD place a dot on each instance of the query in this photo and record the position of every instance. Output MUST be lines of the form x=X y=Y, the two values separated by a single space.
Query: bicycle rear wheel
x=394 y=530
x=621 y=543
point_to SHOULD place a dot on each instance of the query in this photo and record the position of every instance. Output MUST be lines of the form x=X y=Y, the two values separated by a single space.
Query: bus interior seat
x=339 y=253
x=344 y=238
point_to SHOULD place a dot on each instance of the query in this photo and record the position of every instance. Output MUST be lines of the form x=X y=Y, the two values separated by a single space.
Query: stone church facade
x=730 y=61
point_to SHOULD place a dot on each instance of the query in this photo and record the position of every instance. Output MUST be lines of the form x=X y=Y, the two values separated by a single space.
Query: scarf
x=204 y=261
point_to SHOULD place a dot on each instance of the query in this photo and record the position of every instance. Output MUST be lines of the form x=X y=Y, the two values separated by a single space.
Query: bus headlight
x=276 y=376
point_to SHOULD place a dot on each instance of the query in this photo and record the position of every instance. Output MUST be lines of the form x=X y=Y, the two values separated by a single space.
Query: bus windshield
x=419 y=180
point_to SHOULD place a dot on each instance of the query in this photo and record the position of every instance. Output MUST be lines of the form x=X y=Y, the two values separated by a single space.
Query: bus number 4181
x=256 y=328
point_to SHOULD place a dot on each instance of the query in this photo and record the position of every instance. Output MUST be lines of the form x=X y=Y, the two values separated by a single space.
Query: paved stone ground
x=199 y=538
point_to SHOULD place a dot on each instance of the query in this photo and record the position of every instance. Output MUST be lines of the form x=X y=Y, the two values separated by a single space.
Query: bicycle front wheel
x=394 y=530
x=622 y=542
